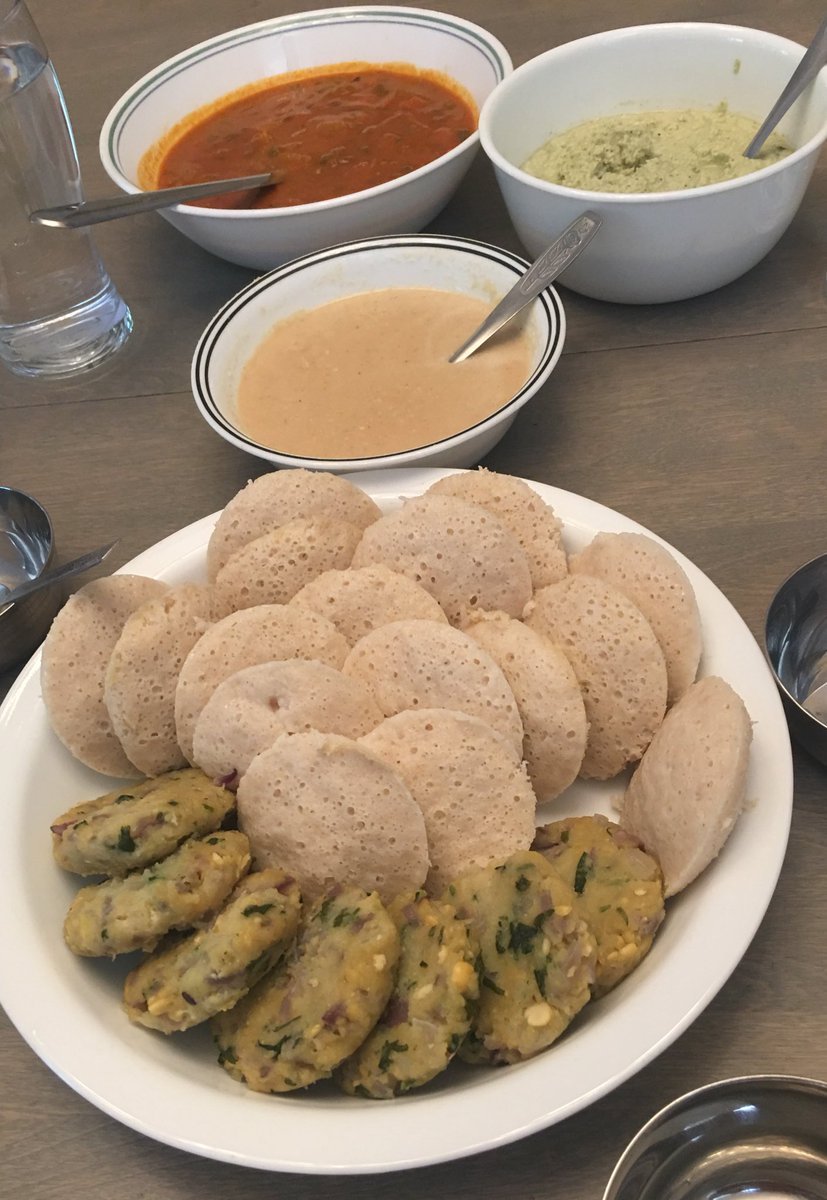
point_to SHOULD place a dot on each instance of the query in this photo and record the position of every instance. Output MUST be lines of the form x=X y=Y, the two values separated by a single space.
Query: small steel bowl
x=795 y=637
x=760 y=1137
x=26 y=550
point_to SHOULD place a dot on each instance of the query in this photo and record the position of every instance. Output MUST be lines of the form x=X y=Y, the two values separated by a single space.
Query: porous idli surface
x=360 y=599
x=422 y=664
x=459 y=552
x=250 y=709
x=278 y=497
x=265 y=633
x=469 y=782
x=73 y=666
x=652 y=579
x=618 y=663
x=537 y=527
x=689 y=789
x=548 y=698
x=327 y=810
x=142 y=674
x=273 y=567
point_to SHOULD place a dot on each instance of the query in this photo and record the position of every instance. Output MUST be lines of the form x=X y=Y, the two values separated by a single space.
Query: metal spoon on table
x=815 y=57
x=539 y=275
x=84 y=563
x=91 y=212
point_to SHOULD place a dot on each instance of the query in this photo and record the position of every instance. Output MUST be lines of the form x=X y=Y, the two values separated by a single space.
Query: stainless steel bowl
x=26 y=549
x=796 y=643
x=759 y=1137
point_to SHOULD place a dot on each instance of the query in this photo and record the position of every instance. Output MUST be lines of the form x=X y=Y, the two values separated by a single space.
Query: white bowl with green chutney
x=677 y=219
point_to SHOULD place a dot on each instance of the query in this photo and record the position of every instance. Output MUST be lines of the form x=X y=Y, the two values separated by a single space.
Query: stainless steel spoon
x=815 y=57
x=539 y=275
x=84 y=563
x=91 y=212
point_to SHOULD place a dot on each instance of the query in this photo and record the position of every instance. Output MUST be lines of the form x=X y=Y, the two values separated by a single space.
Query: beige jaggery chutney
x=654 y=151
x=369 y=374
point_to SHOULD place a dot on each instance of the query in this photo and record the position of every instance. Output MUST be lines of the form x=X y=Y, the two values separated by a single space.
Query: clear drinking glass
x=59 y=310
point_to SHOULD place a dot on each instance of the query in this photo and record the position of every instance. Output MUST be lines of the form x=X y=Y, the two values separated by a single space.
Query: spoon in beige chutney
x=551 y=263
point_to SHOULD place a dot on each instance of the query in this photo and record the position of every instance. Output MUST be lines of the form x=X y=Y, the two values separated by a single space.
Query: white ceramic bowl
x=446 y=263
x=669 y=245
x=264 y=238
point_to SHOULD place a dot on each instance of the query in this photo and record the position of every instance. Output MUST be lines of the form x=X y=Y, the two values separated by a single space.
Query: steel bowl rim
x=775 y=1082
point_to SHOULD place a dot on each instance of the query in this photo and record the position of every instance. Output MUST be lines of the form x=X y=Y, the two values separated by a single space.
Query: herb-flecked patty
x=305 y=1018
x=537 y=956
x=619 y=889
x=127 y=829
x=184 y=890
x=209 y=971
x=430 y=1009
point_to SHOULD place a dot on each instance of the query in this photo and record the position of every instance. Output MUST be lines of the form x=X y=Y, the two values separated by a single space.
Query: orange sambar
x=324 y=133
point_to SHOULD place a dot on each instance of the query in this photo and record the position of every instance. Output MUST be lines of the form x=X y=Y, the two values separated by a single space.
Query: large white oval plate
x=171 y=1089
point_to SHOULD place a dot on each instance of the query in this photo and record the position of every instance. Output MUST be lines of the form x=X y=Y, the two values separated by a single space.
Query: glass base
x=70 y=342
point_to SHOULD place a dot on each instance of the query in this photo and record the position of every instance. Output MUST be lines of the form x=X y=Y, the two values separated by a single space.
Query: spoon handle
x=540 y=274
x=91 y=212
x=815 y=56
x=84 y=563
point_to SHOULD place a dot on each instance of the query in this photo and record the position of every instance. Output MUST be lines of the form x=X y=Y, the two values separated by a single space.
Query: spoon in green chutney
x=815 y=57
x=551 y=263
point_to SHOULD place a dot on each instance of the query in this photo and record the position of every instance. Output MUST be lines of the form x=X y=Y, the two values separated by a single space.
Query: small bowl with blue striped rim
x=440 y=262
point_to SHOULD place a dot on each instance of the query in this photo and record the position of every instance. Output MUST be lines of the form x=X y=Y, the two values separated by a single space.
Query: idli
x=690 y=788
x=538 y=530
x=140 y=681
x=360 y=599
x=278 y=497
x=459 y=552
x=548 y=698
x=327 y=810
x=264 y=633
x=250 y=709
x=618 y=663
x=421 y=664
x=73 y=666
x=651 y=578
x=469 y=782
x=272 y=568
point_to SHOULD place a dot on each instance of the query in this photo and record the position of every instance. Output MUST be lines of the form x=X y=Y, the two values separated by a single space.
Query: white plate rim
x=145 y=1083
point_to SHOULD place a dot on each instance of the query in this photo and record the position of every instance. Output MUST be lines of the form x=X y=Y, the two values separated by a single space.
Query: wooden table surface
x=703 y=420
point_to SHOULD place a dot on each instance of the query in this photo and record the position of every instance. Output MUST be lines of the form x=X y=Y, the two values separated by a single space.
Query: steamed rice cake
x=359 y=599
x=278 y=497
x=326 y=809
x=548 y=698
x=272 y=568
x=534 y=523
x=251 y=708
x=421 y=664
x=469 y=782
x=652 y=579
x=459 y=552
x=618 y=663
x=264 y=633
x=140 y=682
x=73 y=666
x=690 y=787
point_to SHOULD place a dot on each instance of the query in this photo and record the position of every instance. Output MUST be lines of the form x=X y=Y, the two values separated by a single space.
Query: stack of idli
x=401 y=687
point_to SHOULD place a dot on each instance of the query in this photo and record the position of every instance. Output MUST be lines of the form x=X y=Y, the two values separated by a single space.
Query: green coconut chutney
x=654 y=151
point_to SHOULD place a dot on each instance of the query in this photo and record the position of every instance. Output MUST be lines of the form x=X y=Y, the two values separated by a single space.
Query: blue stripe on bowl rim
x=199 y=374
x=462 y=30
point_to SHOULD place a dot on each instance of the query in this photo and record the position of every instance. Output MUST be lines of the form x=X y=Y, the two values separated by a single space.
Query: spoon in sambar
x=92 y=212
x=571 y=242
